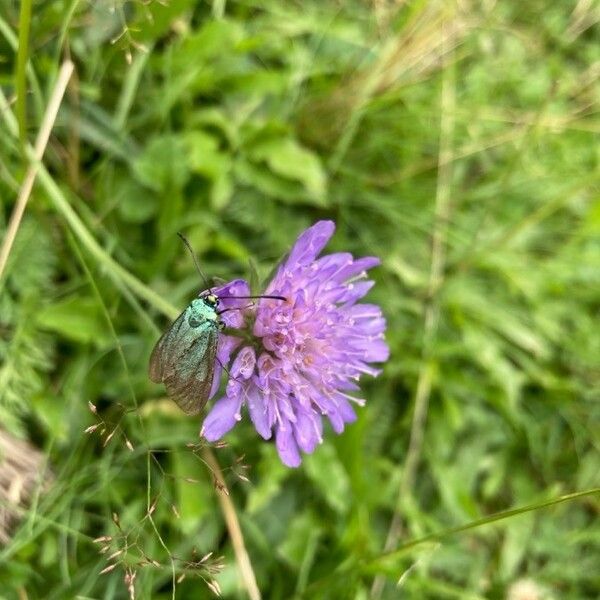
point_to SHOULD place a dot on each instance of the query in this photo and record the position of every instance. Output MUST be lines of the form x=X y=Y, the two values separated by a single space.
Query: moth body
x=184 y=357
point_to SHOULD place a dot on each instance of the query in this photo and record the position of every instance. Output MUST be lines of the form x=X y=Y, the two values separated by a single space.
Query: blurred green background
x=458 y=141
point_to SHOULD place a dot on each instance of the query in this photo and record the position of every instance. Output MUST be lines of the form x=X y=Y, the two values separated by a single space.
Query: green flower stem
x=12 y=40
x=499 y=516
x=21 y=68
x=113 y=268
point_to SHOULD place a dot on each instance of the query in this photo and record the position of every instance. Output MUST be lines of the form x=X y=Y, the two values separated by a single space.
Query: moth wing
x=161 y=356
x=183 y=359
x=190 y=382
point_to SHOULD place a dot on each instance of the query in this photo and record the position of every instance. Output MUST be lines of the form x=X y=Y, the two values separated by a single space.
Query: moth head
x=211 y=300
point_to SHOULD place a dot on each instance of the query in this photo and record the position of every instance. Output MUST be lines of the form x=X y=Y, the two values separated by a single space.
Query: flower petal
x=307 y=431
x=356 y=290
x=243 y=365
x=258 y=411
x=225 y=346
x=216 y=382
x=286 y=446
x=234 y=308
x=235 y=287
x=309 y=244
x=346 y=411
x=377 y=351
x=336 y=420
x=357 y=267
x=223 y=416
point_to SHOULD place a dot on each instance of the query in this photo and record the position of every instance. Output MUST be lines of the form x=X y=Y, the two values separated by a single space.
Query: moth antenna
x=253 y=297
x=193 y=254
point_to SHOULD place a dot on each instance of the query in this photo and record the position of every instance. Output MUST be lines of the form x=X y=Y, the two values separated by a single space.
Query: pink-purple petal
x=244 y=363
x=258 y=411
x=234 y=308
x=309 y=244
x=345 y=410
x=307 y=432
x=287 y=446
x=357 y=267
x=356 y=290
x=377 y=351
x=225 y=346
x=224 y=414
x=336 y=420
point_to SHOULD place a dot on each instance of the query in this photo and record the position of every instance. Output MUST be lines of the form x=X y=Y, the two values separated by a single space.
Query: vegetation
x=458 y=141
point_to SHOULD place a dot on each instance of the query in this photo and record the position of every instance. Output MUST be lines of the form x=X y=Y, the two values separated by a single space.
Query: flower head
x=307 y=352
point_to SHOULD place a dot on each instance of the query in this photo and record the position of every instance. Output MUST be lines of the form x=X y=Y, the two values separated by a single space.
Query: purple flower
x=307 y=353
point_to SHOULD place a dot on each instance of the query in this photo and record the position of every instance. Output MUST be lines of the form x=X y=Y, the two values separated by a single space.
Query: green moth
x=184 y=357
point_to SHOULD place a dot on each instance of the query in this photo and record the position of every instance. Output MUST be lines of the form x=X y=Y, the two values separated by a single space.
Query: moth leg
x=227 y=370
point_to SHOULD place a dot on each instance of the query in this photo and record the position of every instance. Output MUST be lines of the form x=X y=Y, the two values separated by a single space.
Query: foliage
x=241 y=123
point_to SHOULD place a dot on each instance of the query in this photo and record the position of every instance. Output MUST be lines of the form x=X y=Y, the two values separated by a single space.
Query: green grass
x=457 y=142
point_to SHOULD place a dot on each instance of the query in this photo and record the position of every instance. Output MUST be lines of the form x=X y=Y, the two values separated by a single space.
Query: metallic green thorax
x=184 y=357
x=201 y=314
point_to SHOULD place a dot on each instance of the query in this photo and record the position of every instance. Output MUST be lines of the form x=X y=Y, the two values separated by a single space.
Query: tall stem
x=21 y=68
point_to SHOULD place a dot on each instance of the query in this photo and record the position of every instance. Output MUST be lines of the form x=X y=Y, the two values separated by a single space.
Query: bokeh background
x=456 y=140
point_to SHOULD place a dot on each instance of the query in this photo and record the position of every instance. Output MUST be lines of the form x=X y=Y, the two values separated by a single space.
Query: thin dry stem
x=73 y=140
x=40 y=146
x=233 y=526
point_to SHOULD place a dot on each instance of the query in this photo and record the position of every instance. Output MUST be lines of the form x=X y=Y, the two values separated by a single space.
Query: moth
x=185 y=355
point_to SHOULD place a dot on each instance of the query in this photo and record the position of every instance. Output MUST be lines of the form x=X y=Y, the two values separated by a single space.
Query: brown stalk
x=233 y=526
x=40 y=146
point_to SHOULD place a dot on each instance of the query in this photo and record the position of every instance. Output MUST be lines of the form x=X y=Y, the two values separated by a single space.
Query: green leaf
x=212 y=40
x=162 y=166
x=135 y=203
x=287 y=158
x=328 y=475
x=301 y=539
x=195 y=497
x=52 y=412
x=98 y=129
x=262 y=179
x=515 y=546
x=229 y=246
x=203 y=154
x=271 y=475
x=206 y=159
x=77 y=319
x=221 y=192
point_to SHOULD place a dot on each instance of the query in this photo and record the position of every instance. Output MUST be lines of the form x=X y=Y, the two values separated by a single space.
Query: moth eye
x=211 y=300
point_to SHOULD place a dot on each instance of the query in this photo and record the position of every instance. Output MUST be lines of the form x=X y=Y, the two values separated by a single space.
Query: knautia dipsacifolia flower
x=306 y=353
